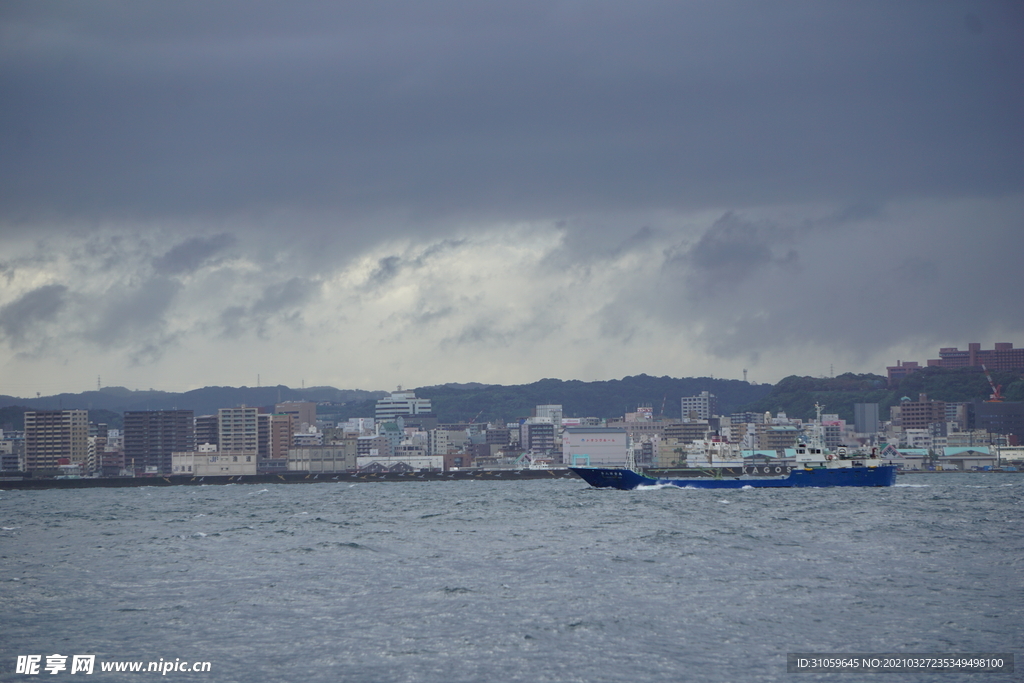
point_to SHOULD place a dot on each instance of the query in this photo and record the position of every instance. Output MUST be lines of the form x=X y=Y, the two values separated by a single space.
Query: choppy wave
x=520 y=581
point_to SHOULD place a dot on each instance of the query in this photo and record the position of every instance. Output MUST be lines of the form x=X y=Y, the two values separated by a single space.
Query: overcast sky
x=371 y=194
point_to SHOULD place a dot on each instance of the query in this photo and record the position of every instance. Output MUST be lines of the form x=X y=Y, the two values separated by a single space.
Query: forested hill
x=451 y=402
x=607 y=399
x=796 y=396
x=205 y=401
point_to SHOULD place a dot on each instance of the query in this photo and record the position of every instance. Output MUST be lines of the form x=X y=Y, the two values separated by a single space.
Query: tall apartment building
x=701 y=407
x=537 y=435
x=865 y=418
x=282 y=435
x=51 y=435
x=207 y=430
x=244 y=429
x=150 y=436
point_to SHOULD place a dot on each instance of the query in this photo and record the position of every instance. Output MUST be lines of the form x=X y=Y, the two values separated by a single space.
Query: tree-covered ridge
x=607 y=399
x=796 y=396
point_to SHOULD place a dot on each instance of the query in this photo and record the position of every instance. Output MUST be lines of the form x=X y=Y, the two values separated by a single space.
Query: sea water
x=533 y=581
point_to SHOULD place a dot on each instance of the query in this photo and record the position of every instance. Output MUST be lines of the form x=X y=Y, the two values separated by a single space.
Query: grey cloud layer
x=518 y=108
x=582 y=184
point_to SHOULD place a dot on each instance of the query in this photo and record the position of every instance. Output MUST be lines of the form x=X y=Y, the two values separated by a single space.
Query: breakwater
x=28 y=483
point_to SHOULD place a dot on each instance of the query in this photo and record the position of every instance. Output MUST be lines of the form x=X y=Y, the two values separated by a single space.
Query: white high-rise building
x=400 y=403
x=702 y=407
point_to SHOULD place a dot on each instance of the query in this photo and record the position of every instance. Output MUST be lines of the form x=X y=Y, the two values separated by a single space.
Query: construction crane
x=997 y=389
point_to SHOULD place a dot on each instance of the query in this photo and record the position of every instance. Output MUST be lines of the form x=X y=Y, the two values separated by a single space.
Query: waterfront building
x=445 y=441
x=400 y=463
x=243 y=429
x=334 y=458
x=55 y=437
x=151 y=436
x=12 y=452
x=215 y=463
x=537 y=435
x=207 y=430
x=282 y=435
x=374 y=446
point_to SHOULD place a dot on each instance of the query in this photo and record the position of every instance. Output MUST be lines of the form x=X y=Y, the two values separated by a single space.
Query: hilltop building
x=1002 y=357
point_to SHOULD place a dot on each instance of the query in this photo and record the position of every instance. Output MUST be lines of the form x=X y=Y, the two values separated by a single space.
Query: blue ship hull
x=620 y=478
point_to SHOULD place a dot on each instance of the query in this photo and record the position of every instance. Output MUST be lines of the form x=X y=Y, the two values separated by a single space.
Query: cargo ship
x=814 y=466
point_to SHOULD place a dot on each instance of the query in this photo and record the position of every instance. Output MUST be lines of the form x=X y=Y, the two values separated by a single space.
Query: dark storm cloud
x=732 y=250
x=281 y=301
x=129 y=315
x=390 y=267
x=386 y=271
x=285 y=297
x=21 y=318
x=191 y=254
x=189 y=108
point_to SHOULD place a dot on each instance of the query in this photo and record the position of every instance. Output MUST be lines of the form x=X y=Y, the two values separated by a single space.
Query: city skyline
x=366 y=196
